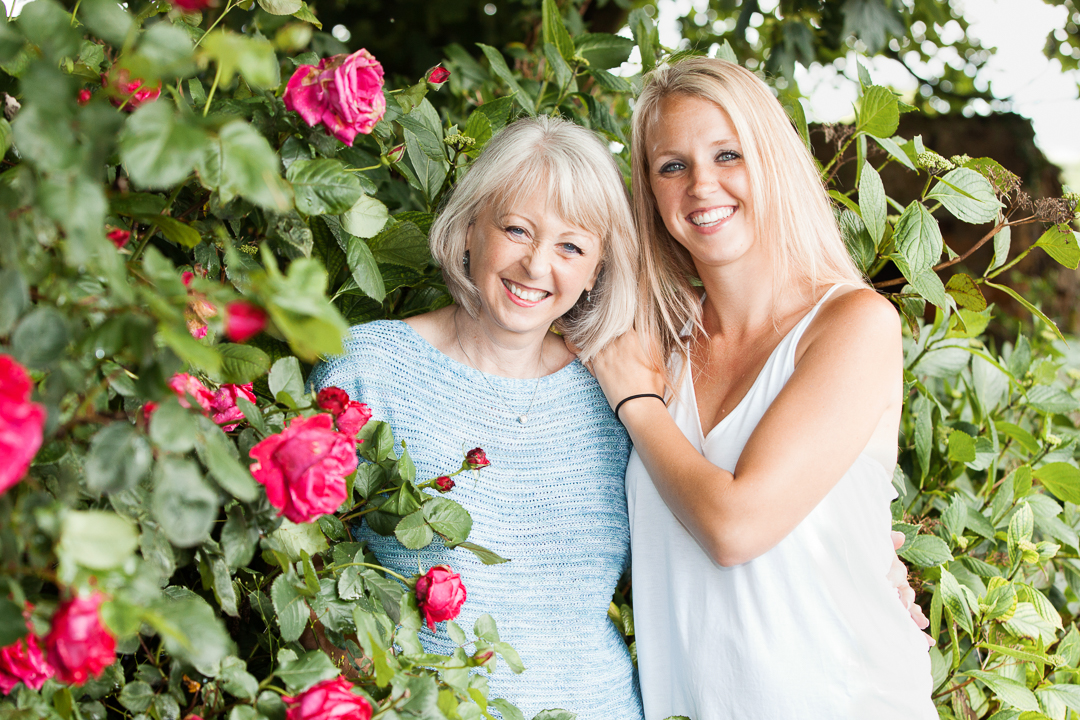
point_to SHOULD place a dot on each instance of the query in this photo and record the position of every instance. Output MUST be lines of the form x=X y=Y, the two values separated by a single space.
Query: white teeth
x=527 y=295
x=712 y=217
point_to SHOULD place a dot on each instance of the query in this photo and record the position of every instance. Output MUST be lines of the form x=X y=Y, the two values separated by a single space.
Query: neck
x=740 y=300
x=512 y=355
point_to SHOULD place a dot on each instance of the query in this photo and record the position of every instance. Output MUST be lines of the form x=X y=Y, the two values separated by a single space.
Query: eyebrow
x=715 y=144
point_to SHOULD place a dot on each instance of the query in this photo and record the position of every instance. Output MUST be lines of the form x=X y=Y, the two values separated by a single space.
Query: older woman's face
x=699 y=179
x=530 y=265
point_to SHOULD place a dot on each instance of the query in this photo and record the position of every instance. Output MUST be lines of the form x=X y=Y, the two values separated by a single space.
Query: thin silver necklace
x=523 y=417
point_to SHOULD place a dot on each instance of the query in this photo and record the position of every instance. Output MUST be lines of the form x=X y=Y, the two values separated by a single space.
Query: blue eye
x=572 y=249
x=673 y=166
x=516 y=231
x=728 y=156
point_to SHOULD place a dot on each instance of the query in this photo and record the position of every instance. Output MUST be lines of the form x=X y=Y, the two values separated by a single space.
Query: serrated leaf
x=1062 y=479
x=879 y=115
x=604 y=51
x=967 y=195
x=413 y=531
x=323 y=187
x=1059 y=242
x=291 y=609
x=966 y=293
x=872 y=204
x=486 y=556
x=158 y=148
x=927 y=551
x=498 y=66
x=1027 y=304
x=1009 y=691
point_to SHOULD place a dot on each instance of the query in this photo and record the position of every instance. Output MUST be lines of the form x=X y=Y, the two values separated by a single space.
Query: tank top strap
x=791 y=341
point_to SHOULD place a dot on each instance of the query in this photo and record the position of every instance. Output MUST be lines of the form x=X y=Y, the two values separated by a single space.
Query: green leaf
x=111 y=23
x=218 y=453
x=413 y=532
x=1027 y=304
x=895 y=151
x=604 y=51
x=872 y=204
x=1049 y=399
x=966 y=292
x=562 y=73
x=479 y=129
x=924 y=281
x=173 y=427
x=955 y=600
x=609 y=82
x=961 y=446
x=646 y=37
x=558 y=715
x=1007 y=690
x=96 y=539
x=119 y=458
x=47 y=25
x=190 y=350
x=927 y=551
x=506 y=709
x=305 y=14
x=366 y=217
x=12 y=623
x=1021 y=526
x=1059 y=242
x=281 y=7
x=252 y=57
x=501 y=71
x=429 y=173
x=183 y=503
x=224 y=592
x=363 y=268
x=301 y=673
x=285 y=376
x=1026 y=440
x=402 y=244
x=192 y=631
x=322 y=187
x=241 y=162
x=292 y=611
x=918 y=238
x=858 y=241
x=1026 y=622
x=554 y=30
x=136 y=696
x=510 y=655
x=486 y=556
x=241 y=364
x=41 y=338
x=238 y=539
x=924 y=431
x=449 y=519
x=299 y=538
x=236 y=680
x=158 y=148
x=1062 y=479
x=879 y=115
x=165 y=51
x=967 y=195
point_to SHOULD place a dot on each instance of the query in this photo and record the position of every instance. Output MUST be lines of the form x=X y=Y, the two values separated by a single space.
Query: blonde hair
x=576 y=172
x=792 y=213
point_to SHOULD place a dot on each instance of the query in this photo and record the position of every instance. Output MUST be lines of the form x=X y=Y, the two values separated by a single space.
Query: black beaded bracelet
x=634 y=397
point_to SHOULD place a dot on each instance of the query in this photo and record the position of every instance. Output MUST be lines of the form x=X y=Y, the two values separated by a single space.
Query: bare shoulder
x=435 y=326
x=856 y=317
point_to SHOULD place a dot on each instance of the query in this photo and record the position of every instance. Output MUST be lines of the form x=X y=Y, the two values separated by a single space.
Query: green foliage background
x=209 y=589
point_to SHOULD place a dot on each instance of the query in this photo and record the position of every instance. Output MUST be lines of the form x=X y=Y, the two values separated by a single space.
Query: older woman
x=538 y=233
x=759 y=498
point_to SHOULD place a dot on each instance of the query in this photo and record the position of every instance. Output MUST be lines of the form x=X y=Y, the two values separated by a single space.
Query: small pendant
x=523 y=418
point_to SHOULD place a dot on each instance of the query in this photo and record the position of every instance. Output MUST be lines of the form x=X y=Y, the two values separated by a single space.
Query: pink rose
x=186 y=277
x=22 y=662
x=353 y=418
x=226 y=413
x=186 y=386
x=444 y=484
x=328 y=700
x=191 y=5
x=243 y=320
x=84 y=96
x=438 y=75
x=304 y=467
x=333 y=399
x=343 y=92
x=118 y=237
x=440 y=595
x=127 y=93
x=21 y=423
x=476 y=459
x=78 y=646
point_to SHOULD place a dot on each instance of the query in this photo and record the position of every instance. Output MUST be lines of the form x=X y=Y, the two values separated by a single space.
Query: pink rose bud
x=444 y=483
x=78 y=646
x=118 y=237
x=84 y=96
x=127 y=93
x=353 y=418
x=223 y=406
x=483 y=658
x=304 y=466
x=243 y=320
x=476 y=459
x=328 y=700
x=186 y=277
x=186 y=386
x=148 y=411
x=22 y=662
x=440 y=595
x=395 y=154
x=191 y=5
x=438 y=75
x=21 y=423
x=343 y=93
x=332 y=399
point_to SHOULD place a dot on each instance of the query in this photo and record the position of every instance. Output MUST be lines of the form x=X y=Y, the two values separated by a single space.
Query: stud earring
x=465 y=260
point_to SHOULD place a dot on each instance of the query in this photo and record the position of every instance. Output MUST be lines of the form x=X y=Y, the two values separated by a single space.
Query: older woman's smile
x=529 y=295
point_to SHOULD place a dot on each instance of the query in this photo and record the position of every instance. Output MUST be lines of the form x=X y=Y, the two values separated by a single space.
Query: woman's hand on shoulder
x=623 y=368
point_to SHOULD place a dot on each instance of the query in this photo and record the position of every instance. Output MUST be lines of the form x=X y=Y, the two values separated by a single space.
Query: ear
x=595 y=277
x=468 y=235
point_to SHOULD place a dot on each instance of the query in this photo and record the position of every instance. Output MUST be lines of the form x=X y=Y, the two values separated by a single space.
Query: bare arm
x=847 y=377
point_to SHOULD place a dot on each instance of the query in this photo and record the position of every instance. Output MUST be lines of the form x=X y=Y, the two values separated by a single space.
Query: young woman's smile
x=698 y=176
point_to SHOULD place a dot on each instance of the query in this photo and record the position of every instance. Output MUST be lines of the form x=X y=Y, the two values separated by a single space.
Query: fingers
x=898 y=539
x=897 y=575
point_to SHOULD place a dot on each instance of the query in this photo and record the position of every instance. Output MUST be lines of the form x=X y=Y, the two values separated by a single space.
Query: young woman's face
x=699 y=180
x=530 y=265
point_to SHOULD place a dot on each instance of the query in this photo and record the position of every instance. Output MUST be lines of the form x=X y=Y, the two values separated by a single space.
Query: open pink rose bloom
x=343 y=92
x=328 y=700
x=440 y=595
x=78 y=646
x=21 y=422
x=226 y=413
x=23 y=662
x=304 y=467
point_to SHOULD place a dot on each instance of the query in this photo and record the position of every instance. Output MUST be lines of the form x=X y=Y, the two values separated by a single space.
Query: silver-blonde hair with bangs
x=792 y=213
x=571 y=167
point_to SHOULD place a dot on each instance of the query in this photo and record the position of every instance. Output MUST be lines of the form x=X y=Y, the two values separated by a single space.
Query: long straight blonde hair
x=793 y=217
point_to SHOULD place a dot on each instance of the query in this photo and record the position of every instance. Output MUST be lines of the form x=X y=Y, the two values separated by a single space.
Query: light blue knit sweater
x=552 y=501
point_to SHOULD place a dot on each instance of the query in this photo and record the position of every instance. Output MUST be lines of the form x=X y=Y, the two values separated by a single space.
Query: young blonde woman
x=759 y=496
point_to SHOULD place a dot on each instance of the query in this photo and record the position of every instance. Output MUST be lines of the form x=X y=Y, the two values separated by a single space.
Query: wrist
x=623 y=408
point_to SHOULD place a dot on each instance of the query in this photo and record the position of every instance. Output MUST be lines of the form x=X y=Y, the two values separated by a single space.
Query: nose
x=536 y=261
x=702 y=181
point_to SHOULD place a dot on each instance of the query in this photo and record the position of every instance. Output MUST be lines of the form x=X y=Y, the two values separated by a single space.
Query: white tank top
x=809 y=630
